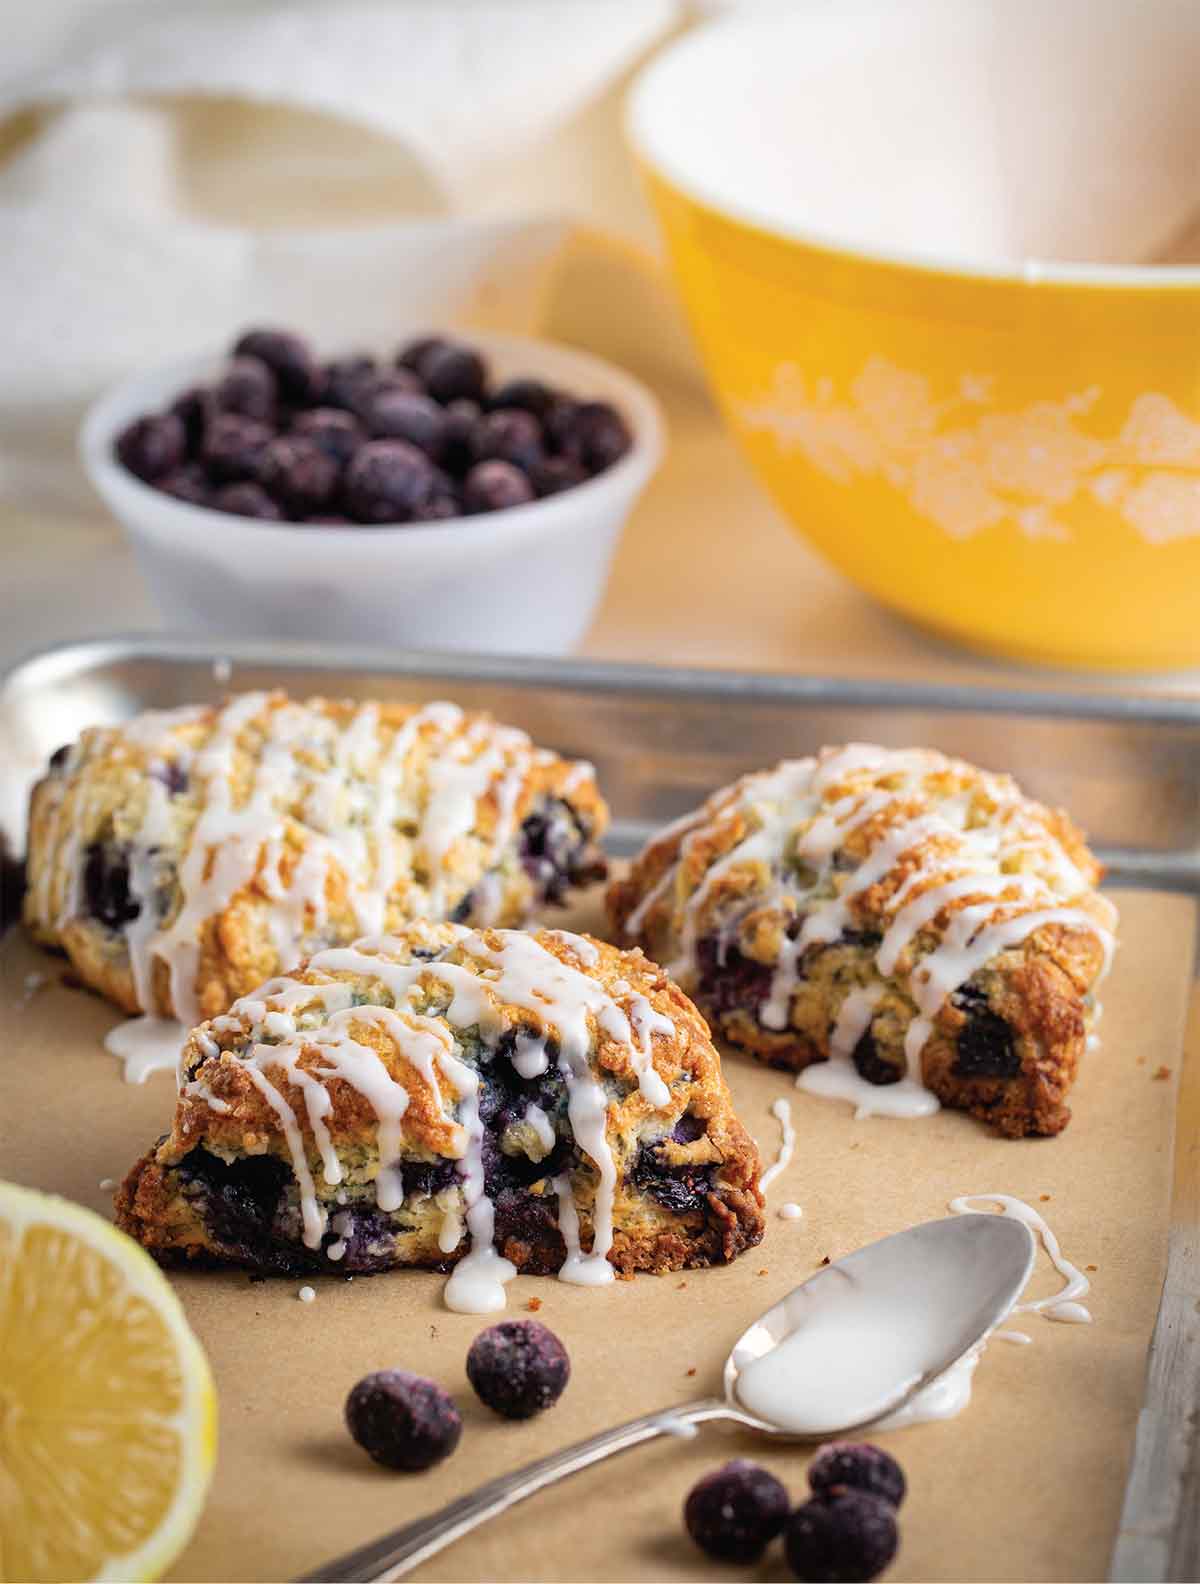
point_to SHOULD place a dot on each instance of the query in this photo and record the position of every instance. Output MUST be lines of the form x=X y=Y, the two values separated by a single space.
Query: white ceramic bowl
x=526 y=580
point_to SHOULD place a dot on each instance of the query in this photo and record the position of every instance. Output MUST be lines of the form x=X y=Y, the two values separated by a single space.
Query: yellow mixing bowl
x=1007 y=452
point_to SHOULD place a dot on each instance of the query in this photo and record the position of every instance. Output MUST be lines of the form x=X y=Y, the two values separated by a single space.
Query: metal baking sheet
x=1127 y=766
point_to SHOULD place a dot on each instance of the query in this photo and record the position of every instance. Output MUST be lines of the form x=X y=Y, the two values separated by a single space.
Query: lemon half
x=107 y=1408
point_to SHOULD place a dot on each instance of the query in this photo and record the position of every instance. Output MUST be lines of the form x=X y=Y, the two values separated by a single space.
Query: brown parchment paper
x=1027 y=1484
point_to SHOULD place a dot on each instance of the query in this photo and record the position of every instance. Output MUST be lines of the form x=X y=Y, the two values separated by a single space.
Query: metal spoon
x=962 y=1275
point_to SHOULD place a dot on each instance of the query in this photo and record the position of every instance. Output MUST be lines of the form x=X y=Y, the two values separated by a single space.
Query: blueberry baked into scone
x=182 y=858
x=490 y=1100
x=897 y=913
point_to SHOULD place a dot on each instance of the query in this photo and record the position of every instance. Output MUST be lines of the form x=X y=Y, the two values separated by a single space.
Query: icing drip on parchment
x=781 y=1110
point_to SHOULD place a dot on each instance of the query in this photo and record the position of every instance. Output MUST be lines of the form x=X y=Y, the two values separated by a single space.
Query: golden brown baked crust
x=184 y=857
x=419 y=1055
x=897 y=911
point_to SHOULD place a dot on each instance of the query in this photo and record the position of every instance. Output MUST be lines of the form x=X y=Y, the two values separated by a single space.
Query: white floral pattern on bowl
x=965 y=467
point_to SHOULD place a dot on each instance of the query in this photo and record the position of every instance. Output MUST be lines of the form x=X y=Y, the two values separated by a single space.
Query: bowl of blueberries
x=453 y=494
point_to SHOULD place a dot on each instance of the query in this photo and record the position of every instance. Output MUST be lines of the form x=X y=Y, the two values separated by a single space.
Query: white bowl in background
x=526 y=580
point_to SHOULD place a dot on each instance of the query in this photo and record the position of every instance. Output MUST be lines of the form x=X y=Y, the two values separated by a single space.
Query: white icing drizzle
x=530 y=1058
x=790 y=1211
x=964 y=847
x=477 y=1282
x=645 y=1023
x=944 y=1398
x=458 y=778
x=451 y=1230
x=581 y=948
x=200 y=1091
x=364 y=814
x=579 y=771
x=517 y=972
x=916 y=915
x=781 y=1110
x=541 y=1125
x=1063 y=1306
x=154 y=729
x=672 y=1425
x=146 y=1045
x=30 y=986
x=581 y=1269
x=839 y=1079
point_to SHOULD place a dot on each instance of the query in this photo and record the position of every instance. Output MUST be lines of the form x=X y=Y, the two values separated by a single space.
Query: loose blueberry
x=340 y=382
x=402 y=1420
x=299 y=473
x=248 y=387
x=288 y=356
x=494 y=486
x=234 y=446
x=518 y=1368
x=412 y=352
x=735 y=1512
x=246 y=499
x=453 y=373
x=387 y=481
x=404 y=415
x=554 y=474
x=529 y=394
x=509 y=435
x=187 y=483
x=860 y=1466
x=152 y=446
x=845 y=1538
x=339 y=434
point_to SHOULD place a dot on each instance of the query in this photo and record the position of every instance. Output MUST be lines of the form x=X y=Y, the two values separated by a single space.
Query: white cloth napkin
x=356 y=168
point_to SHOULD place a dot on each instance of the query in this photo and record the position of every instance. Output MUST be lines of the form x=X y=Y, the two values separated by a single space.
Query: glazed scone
x=897 y=913
x=448 y=1097
x=182 y=858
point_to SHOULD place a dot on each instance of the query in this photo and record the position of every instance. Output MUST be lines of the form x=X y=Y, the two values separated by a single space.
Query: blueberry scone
x=902 y=916
x=184 y=857
x=489 y=1100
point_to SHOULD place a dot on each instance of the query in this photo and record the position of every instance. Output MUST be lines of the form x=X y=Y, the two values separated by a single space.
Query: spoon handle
x=397 y=1553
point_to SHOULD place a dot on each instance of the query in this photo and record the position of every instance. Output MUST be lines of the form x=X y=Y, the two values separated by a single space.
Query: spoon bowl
x=813 y=1364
